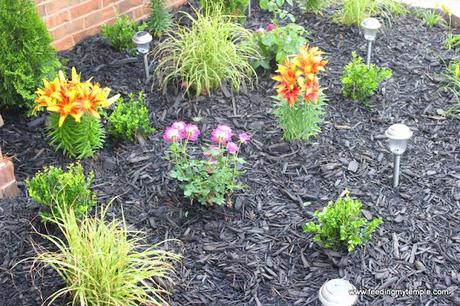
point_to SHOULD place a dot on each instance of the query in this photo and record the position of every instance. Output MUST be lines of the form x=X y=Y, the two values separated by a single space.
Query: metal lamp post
x=371 y=27
x=336 y=292
x=142 y=40
x=398 y=135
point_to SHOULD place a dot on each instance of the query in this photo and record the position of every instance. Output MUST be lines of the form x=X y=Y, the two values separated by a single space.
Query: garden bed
x=255 y=252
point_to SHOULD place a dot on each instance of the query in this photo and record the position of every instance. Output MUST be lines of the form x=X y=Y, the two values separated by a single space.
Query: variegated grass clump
x=104 y=263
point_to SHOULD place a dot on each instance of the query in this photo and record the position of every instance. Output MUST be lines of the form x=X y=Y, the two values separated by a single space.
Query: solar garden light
x=142 y=40
x=398 y=135
x=336 y=292
x=370 y=26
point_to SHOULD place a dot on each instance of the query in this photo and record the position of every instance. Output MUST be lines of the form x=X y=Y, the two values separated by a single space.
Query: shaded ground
x=255 y=253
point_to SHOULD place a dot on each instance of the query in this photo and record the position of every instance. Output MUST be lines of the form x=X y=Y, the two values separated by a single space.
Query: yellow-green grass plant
x=201 y=57
x=452 y=41
x=104 y=263
x=353 y=12
x=452 y=75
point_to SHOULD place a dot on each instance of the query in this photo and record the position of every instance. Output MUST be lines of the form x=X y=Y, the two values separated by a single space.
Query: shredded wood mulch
x=255 y=253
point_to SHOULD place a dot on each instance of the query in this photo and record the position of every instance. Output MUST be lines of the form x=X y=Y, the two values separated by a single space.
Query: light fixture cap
x=336 y=292
x=398 y=131
x=370 y=26
x=142 y=40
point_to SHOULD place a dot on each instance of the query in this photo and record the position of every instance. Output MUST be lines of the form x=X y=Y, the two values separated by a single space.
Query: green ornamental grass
x=211 y=51
x=104 y=263
x=341 y=226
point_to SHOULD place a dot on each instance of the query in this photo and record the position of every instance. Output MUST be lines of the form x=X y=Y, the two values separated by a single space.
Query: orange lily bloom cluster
x=298 y=76
x=72 y=97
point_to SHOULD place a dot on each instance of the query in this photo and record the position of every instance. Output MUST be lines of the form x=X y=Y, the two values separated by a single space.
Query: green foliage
x=314 y=6
x=360 y=82
x=278 y=43
x=129 y=118
x=77 y=140
x=232 y=7
x=62 y=190
x=430 y=18
x=207 y=180
x=452 y=41
x=353 y=12
x=27 y=56
x=301 y=121
x=121 y=33
x=105 y=263
x=212 y=51
x=389 y=8
x=276 y=8
x=160 y=19
x=340 y=225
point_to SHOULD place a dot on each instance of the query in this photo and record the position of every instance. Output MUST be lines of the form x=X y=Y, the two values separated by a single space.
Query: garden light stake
x=398 y=135
x=142 y=40
x=337 y=292
x=370 y=26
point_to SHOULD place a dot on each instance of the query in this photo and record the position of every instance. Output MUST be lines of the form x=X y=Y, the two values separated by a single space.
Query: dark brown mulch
x=255 y=253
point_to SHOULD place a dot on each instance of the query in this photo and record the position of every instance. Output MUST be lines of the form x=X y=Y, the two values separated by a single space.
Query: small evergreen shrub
x=62 y=190
x=160 y=19
x=341 y=226
x=353 y=12
x=27 y=56
x=121 y=32
x=129 y=118
x=360 y=82
x=211 y=51
x=104 y=263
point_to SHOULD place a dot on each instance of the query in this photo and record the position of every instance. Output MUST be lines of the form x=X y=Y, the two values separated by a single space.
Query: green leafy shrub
x=27 y=56
x=314 y=6
x=276 y=7
x=121 y=33
x=233 y=7
x=129 y=118
x=105 y=263
x=58 y=189
x=160 y=19
x=340 y=225
x=360 y=82
x=212 y=51
x=276 y=42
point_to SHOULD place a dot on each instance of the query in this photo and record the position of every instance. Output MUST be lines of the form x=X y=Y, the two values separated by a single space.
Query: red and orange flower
x=72 y=97
x=297 y=77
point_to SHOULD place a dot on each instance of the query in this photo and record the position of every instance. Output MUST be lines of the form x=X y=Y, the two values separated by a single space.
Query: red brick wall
x=69 y=21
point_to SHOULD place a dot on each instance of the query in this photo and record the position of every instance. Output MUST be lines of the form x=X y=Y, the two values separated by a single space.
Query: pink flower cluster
x=180 y=130
x=222 y=135
x=270 y=27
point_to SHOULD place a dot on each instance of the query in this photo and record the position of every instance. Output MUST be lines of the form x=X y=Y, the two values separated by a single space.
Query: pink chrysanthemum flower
x=260 y=30
x=172 y=134
x=244 y=137
x=232 y=148
x=191 y=132
x=270 y=27
x=180 y=125
x=222 y=134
